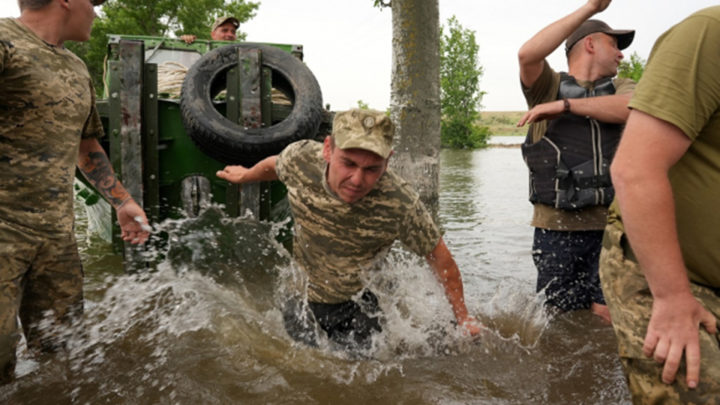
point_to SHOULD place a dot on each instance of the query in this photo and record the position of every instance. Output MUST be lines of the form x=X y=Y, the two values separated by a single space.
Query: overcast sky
x=348 y=43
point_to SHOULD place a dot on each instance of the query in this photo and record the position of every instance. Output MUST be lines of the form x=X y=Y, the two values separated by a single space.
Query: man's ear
x=589 y=43
x=327 y=148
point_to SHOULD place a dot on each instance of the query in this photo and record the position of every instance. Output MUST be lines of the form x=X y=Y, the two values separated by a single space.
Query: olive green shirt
x=544 y=90
x=47 y=104
x=337 y=243
x=681 y=85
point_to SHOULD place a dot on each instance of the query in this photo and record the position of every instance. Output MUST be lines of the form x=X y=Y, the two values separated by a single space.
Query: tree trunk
x=415 y=95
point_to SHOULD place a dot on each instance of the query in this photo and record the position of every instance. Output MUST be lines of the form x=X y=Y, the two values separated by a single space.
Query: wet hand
x=471 y=326
x=233 y=174
x=133 y=223
x=673 y=330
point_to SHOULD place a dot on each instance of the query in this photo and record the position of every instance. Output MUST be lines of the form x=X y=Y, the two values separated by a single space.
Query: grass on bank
x=502 y=123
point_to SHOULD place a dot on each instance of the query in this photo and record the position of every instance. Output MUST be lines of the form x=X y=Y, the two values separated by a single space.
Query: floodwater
x=204 y=325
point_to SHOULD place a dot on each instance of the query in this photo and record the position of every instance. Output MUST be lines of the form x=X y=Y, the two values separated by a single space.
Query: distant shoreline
x=503 y=123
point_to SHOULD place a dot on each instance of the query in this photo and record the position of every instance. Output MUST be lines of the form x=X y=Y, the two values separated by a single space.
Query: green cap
x=370 y=130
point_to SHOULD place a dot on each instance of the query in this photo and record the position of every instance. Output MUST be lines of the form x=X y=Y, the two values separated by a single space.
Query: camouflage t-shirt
x=336 y=243
x=47 y=103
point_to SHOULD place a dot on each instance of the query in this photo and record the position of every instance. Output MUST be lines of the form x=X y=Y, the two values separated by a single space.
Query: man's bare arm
x=532 y=54
x=264 y=170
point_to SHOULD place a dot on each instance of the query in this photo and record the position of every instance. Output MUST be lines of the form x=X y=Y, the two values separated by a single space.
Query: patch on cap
x=370 y=130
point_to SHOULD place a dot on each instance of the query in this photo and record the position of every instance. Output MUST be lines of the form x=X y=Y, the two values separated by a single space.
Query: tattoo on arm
x=97 y=169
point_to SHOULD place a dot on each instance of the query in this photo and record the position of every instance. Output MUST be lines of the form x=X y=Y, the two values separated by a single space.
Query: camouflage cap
x=222 y=20
x=370 y=130
x=97 y=2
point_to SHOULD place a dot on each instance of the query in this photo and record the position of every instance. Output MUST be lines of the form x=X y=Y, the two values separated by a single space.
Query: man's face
x=352 y=173
x=608 y=56
x=82 y=14
x=224 y=32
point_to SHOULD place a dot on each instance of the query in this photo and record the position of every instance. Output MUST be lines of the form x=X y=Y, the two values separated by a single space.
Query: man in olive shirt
x=660 y=262
x=576 y=120
x=348 y=209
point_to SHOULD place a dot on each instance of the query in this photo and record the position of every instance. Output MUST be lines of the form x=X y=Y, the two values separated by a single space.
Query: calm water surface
x=204 y=325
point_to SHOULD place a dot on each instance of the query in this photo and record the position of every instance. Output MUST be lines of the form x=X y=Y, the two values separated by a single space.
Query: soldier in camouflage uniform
x=48 y=125
x=660 y=262
x=348 y=209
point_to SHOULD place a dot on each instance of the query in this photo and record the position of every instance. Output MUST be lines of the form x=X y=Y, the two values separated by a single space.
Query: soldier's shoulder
x=396 y=188
x=305 y=148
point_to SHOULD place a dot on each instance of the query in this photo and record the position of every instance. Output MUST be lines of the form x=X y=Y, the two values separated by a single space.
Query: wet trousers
x=349 y=324
x=40 y=280
x=567 y=265
x=630 y=303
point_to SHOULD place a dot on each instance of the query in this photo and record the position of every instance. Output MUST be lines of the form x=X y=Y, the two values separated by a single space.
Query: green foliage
x=157 y=18
x=458 y=134
x=363 y=105
x=632 y=69
x=381 y=4
x=460 y=94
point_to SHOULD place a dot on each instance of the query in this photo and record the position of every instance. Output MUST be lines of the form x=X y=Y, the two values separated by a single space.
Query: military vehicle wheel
x=229 y=142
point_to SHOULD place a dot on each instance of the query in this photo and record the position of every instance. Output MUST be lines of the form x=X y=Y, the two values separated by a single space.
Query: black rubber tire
x=229 y=142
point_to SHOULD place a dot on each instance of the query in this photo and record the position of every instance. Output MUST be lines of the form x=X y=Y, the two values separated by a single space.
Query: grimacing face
x=352 y=173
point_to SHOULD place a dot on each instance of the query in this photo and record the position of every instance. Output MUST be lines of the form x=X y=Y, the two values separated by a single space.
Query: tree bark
x=415 y=95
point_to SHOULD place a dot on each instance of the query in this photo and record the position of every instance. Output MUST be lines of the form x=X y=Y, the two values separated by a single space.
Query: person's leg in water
x=350 y=324
x=567 y=264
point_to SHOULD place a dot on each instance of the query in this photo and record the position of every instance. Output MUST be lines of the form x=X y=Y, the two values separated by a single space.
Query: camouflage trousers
x=630 y=301
x=40 y=280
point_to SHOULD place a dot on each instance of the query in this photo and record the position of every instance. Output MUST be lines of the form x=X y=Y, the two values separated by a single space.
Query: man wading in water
x=576 y=118
x=348 y=209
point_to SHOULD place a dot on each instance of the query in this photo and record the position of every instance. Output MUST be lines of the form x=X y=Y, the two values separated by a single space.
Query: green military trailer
x=176 y=113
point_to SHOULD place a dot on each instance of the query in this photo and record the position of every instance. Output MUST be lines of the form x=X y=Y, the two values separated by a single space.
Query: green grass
x=502 y=123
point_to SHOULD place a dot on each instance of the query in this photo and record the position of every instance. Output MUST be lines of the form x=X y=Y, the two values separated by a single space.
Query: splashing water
x=204 y=325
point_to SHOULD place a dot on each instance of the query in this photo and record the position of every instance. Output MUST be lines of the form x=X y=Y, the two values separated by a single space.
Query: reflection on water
x=204 y=325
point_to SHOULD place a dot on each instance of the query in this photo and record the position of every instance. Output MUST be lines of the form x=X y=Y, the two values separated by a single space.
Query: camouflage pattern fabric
x=630 y=301
x=37 y=275
x=364 y=129
x=336 y=243
x=47 y=104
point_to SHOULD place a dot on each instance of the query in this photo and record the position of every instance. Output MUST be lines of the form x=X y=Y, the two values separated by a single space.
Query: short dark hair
x=32 y=4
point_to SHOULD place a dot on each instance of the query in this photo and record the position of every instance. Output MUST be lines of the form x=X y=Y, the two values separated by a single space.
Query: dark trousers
x=349 y=324
x=567 y=265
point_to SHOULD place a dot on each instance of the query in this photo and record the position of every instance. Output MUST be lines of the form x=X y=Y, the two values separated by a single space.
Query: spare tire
x=227 y=141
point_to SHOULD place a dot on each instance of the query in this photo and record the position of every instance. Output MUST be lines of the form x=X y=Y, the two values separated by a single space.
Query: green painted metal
x=150 y=125
x=169 y=156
